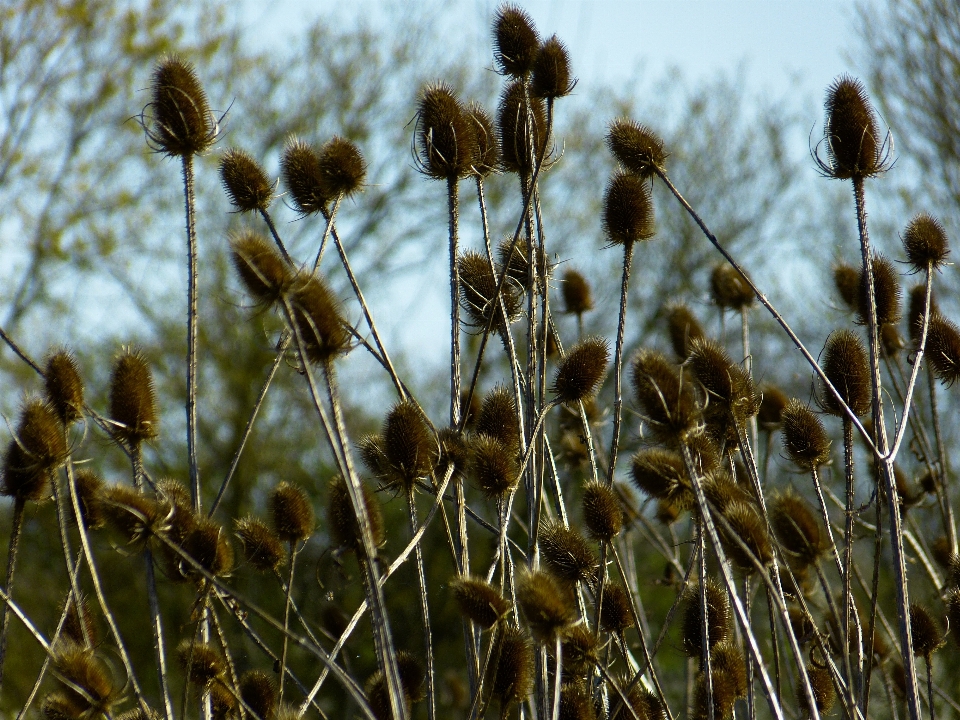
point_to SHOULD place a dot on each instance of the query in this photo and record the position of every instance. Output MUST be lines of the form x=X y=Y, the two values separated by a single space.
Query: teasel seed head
x=58 y=706
x=223 y=702
x=79 y=623
x=953 y=612
x=89 y=486
x=261 y=547
x=579 y=647
x=516 y=41
x=727 y=662
x=747 y=525
x=721 y=490
x=546 y=604
x=824 y=693
x=852 y=135
x=494 y=466
x=773 y=404
x=378 y=695
x=668 y=402
x=796 y=527
x=615 y=613
x=661 y=474
x=582 y=371
x=628 y=214
x=210 y=547
x=455 y=450
x=446 y=135
x=316 y=313
x=891 y=343
x=731 y=388
x=38 y=447
x=134 y=515
x=943 y=349
x=342 y=167
x=846 y=365
x=180 y=520
x=87 y=683
x=201 y=662
x=602 y=511
x=644 y=703
x=498 y=417
x=576 y=702
x=344 y=527
x=486 y=148
x=723 y=700
x=413 y=677
x=510 y=673
x=915 y=308
x=245 y=181
x=636 y=147
x=264 y=273
x=846 y=279
x=64 y=386
x=479 y=601
x=577 y=295
x=683 y=327
x=180 y=123
x=409 y=447
x=729 y=288
x=925 y=242
x=566 y=553
x=804 y=437
x=718 y=618
x=513 y=257
x=300 y=168
x=137 y=713
x=133 y=402
x=927 y=637
x=940 y=548
x=291 y=513
x=516 y=154
x=478 y=289
x=551 y=70
x=667 y=513
x=886 y=292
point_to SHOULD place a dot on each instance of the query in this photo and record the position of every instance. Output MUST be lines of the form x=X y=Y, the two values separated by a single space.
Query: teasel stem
x=555 y=713
x=67 y=554
x=588 y=441
x=276 y=237
x=453 y=211
x=618 y=366
x=751 y=700
x=848 y=560
x=942 y=454
x=16 y=527
x=705 y=619
x=22 y=617
x=748 y=366
x=874 y=601
x=326 y=232
x=192 y=317
x=286 y=621
x=929 y=662
x=424 y=608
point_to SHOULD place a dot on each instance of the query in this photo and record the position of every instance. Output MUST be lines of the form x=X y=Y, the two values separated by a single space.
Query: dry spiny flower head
x=303 y=178
x=263 y=272
x=925 y=242
x=729 y=288
x=454 y=450
x=581 y=372
x=636 y=147
x=498 y=417
x=486 y=148
x=804 y=437
x=514 y=257
x=579 y=648
x=953 y=612
x=943 y=349
x=628 y=214
x=723 y=699
x=223 y=702
x=940 y=548
x=409 y=446
x=616 y=615
x=261 y=547
x=79 y=626
x=341 y=167
x=180 y=123
x=479 y=601
x=413 y=677
x=886 y=292
x=546 y=604
x=577 y=295
x=915 y=310
x=180 y=518
x=576 y=702
x=510 y=672
x=515 y=41
x=747 y=526
x=515 y=109
x=134 y=515
x=644 y=703
x=661 y=474
x=494 y=466
x=721 y=489
x=566 y=553
x=718 y=618
x=210 y=548
x=602 y=511
x=291 y=513
x=846 y=279
x=89 y=485
x=824 y=693
x=665 y=398
x=802 y=624
x=38 y=447
x=478 y=288
x=316 y=314
x=344 y=527
x=846 y=366
x=891 y=343
x=729 y=387
x=245 y=181
x=86 y=681
x=773 y=403
x=446 y=135
x=64 y=385
x=683 y=327
x=201 y=662
x=57 y=706
x=927 y=636
x=796 y=527
x=551 y=70
x=851 y=132
x=133 y=402
x=726 y=660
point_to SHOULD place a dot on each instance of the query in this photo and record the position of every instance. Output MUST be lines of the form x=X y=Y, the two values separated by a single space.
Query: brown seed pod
x=303 y=178
x=824 y=693
x=80 y=626
x=551 y=70
x=943 y=349
x=486 y=149
x=661 y=474
x=201 y=662
x=846 y=279
x=667 y=402
x=890 y=341
x=494 y=466
x=581 y=372
x=316 y=314
x=940 y=549
x=516 y=154
x=721 y=490
x=64 y=386
x=804 y=437
x=179 y=507
x=927 y=636
x=222 y=701
x=498 y=417
x=925 y=242
x=566 y=553
x=546 y=604
x=953 y=612
x=291 y=513
x=727 y=662
x=846 y=366
x=577 y=296
x=342 y=168
x=181 y=122
x=515 y=41
x=730 y=388
x=796 y=527
x=886 y=292
x=378 y=695
x=773 y=404
x=344 y=528
x=636 y=147
x=723 y=698
x=852 y=135
x=667 y=512
x=729 y=288
x=58 y=706
x=479 y=601
x=261 y=547
x=683 y=327
x=802 y=624
x=38 y=447
x=409 y=447
x=245 y=181
x=209 y=546
x=579 y=647
x=89 y=485
x=413 y=677
x=133 y=402
x=446 y=136
x=645 y=705
x=615 y=612
x=718 y=618
x=514 y=258
x=134 y=515
x=510 y=672
x=478 y=289
x=86 y=681
x=746 y=525
x=576 y=702
x=628 y=214
x=602 y=511
x=454 y=450
x=264 y=273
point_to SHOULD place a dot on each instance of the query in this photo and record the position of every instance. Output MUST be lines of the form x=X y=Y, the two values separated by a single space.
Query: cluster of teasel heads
x=550 y=627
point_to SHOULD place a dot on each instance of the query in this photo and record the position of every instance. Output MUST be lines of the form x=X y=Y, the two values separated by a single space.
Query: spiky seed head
x=796 y=527
x=454 y=450
x=86 y=681
x=582 y=370
x=577 y=295
x=259 y=692
x=943 y=349
x=134 y=515
x=262 y=270
x=413 y=676
x=261 y=547
x=551 y=70
x=636 y=147
x=747 y=526
x=915 y=310
x=615 y=611
x=927 y=636
x=941 y=552
x=181 y=123
x=579 y=648
x=890 y=341
x=245 y=181
x=726 y=660
x=510 y=672
x=64 y=385
x=729 y=288
x=846 y=279
x=446 y=136
x=409 y=446
x=478 y=289
x=175 y=498
x=516 y=154
x=661 y=474
x=851 y=132
x=223 y=703
x=683 y=327
x=38 y=447
x=378 y=695
x=372 y=454
x=516 y=41
x=731 y=388
x=316 y=314
x=846 y=365
x=802 y=624
x=486 y=148
x=667 y=402
x=566 y=553
x=59 y=706
x=723 y=699
x=494 y=466
x=718 y=618
x=628 y=214
x=953 y=612
x=344 y=527
x=547 y=605
x=200 y=661
x=80 y=626
x=804 y=437
x=576 y=702
x=479 y=601
x=210 y=547
x=643 y=702
x=773 y=403
x=342 y=168
x=303 y=178
x=133 y=401
x=602 y=511
x=498 y=417
x=89 y=485
x=291 y=513
x=513 y=256
x=925 y=242
x=824 y=693
x=137 y=713
x=721 y=490
x=886 y=292
x=667 y=513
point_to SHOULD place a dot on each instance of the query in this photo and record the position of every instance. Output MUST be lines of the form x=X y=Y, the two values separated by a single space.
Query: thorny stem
x=618 y=363
x=424 y=608
x=329 y=217
x=453 y=221
x=848 y=560
x=705 y=620
x=276 y=237
x=286 y=621
x=192 y=317
x=15 y=528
